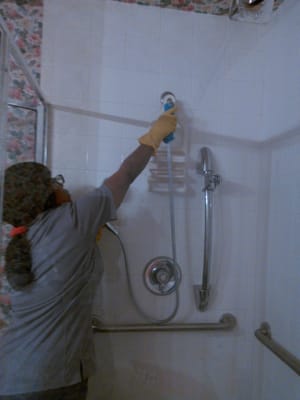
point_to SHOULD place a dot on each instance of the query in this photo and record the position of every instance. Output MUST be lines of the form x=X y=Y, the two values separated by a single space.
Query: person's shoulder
x=100 y=191
x=52 y=215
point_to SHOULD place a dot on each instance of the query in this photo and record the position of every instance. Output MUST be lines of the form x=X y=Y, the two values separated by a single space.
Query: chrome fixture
x=168 y=168
x=205 y=168
x=211 y=181
x=252 y=3
x=258 y=11
x=263 y=334
x=162 y=275
x=164 y=279
x=226 y=323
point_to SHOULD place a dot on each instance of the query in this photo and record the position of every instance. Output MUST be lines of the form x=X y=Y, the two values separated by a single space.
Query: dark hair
x=18 y=262
x=27 y=192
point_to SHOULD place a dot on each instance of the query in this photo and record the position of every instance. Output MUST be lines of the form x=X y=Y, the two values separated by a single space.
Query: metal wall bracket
x=201 y=296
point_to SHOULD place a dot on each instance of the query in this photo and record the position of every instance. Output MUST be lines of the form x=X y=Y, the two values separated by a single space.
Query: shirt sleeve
x=93 y=210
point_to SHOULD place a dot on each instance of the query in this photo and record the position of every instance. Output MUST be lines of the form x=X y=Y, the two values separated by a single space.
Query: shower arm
x=211 y=180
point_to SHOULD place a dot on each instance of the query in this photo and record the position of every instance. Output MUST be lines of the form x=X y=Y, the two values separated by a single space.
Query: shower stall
x=243 y=328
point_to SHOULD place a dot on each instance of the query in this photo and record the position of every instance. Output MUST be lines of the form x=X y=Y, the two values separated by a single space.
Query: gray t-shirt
x=49 y=342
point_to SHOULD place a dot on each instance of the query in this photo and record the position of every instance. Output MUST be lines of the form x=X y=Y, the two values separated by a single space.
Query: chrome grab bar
x=211 y=180
x=227 y=322
x=263 y=334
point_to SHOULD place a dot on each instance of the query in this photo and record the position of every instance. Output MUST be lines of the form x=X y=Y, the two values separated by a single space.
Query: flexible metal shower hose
x=173 y=240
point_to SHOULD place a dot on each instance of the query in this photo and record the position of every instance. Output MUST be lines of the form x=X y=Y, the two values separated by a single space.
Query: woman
x=53 y=264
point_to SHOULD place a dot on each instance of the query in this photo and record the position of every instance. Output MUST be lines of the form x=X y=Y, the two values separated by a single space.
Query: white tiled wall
x=283 y=274
x=116 y=59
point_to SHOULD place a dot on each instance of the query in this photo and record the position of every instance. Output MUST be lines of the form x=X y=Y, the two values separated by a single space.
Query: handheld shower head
x=168 y=101
x=168 y=98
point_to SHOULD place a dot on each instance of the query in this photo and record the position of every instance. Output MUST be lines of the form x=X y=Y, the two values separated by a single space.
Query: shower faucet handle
x=162 y=275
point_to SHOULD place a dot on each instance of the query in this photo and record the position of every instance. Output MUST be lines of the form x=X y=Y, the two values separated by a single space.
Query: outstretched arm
x=135 y=163
x=131 y=167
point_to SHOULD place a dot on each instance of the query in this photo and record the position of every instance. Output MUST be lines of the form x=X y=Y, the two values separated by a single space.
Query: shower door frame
x=3 y=108
x=7 y=48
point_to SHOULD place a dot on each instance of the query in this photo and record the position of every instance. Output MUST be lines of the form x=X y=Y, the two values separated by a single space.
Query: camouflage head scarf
x=27 y=187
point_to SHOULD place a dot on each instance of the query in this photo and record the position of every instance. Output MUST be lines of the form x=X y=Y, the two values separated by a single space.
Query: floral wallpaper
x=216 y=7
x=24 y=21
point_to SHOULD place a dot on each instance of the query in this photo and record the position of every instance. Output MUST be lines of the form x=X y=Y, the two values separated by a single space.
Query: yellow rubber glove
x=161 y=128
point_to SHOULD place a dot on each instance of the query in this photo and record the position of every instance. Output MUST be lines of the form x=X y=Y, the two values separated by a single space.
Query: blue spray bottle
x=168 y=101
